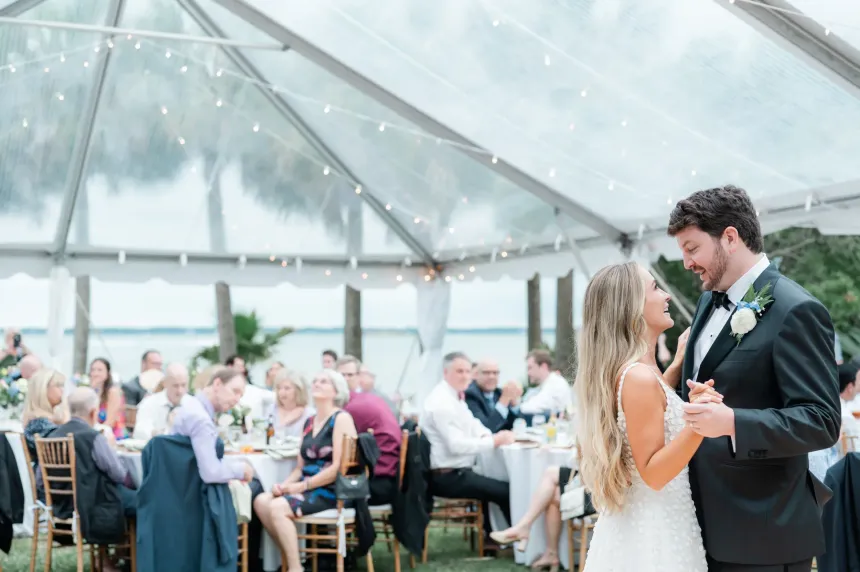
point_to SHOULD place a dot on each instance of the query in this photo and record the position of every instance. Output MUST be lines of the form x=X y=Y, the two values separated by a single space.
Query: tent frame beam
x=75 y=179
x=285 y=110
x=804 y=38
x=365 y=85
x=19 y=7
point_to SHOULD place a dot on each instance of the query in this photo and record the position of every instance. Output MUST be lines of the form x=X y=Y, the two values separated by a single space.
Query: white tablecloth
x=269 y=471
x=523 y=467
x=13 y=435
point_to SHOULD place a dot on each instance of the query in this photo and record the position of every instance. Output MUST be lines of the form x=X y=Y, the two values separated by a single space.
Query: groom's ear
x=732 y=238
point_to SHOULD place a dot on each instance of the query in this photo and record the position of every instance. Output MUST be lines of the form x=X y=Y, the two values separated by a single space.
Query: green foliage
x=252 y=343
x=827 y=266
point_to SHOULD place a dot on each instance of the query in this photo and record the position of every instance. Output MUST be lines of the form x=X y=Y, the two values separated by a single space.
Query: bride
x=633 y=444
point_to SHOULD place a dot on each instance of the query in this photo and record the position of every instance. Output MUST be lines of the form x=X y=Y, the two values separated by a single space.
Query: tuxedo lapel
x=699 y=321
x=718 y=352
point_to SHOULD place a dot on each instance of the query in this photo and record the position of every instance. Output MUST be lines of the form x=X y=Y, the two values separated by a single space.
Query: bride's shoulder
x=639 y=385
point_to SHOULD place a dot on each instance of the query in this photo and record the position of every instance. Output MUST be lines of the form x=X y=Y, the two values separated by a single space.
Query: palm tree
x=253 y=343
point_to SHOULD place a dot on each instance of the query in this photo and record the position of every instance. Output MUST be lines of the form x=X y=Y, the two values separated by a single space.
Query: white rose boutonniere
x=750 y=310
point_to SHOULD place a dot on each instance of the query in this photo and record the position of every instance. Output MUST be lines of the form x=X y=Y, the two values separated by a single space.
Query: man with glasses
x=496 y=408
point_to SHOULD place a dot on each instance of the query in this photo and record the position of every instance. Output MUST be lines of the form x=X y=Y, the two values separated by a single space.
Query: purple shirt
x=196 y=420
x=370 y=411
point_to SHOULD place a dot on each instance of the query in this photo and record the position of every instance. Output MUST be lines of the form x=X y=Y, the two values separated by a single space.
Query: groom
x=768 y=346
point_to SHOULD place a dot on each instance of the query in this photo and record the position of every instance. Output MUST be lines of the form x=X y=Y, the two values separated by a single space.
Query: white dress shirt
x=554 y=394
x=258 y=399
x=152 y=414
x=720 y=316
x=456 y=436
x=850 y=426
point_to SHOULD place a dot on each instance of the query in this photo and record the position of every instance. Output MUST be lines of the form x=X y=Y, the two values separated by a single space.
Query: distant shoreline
x=179 y=331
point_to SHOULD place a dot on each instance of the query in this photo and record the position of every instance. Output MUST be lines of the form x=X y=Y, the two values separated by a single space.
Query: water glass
x=538 y=421
x=519 y=427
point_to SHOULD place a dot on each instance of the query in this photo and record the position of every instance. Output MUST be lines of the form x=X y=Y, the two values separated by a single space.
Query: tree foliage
x=827 y=266
x=252 y=342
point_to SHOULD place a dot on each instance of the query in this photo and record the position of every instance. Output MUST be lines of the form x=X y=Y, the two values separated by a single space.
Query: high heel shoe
x=520 y=542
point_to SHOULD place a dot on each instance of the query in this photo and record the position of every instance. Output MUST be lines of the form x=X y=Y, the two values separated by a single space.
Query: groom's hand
x=710 y=419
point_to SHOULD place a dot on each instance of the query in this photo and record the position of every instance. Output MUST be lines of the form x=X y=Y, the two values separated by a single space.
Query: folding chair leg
x=49 y=548
x=583 y=545
x=570 y=548
x=395 y=544
x=370 y=561
x=479 y=529
x=426 y=545
x=37 y=515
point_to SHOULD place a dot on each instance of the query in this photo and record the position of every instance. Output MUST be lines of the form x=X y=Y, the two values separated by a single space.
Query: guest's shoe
x=519 y=542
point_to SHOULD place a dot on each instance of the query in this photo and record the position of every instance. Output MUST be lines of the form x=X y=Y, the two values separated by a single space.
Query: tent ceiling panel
x=678 y=96
x=189 y=157
x=43 y=87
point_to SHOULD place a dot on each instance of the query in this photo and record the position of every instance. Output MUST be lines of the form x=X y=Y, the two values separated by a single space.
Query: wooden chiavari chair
x=331 y=519
x=583 y=526
x=382 y=514
x=243 y=547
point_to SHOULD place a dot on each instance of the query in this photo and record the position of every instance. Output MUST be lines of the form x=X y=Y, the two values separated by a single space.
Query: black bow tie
x=720 y=300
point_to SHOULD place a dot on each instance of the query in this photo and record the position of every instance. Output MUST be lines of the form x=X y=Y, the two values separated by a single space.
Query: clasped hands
x=289 y=488
x=706 y=414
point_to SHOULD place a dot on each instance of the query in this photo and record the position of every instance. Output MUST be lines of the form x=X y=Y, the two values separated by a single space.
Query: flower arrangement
x=13 y=388
x=750 y=311
x=239 y=415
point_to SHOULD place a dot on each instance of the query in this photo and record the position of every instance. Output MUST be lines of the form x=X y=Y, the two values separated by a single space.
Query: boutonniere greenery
x=750 y=311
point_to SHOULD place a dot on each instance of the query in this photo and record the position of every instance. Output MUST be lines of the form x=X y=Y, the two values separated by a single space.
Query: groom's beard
x=717 y=270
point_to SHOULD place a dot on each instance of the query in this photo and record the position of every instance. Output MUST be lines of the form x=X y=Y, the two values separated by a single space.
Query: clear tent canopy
x=372 y=142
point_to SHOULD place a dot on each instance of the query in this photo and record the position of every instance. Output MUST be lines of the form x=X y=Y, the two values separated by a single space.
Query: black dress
x=317 y=451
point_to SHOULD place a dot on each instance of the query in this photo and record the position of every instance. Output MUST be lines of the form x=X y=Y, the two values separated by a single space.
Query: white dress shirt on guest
x=554 y=394
x=258 y=399
x=456 y=436
x=850 y=426
x=152 y=414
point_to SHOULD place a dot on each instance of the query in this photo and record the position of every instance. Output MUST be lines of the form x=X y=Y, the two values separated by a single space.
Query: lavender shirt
x=195 y=419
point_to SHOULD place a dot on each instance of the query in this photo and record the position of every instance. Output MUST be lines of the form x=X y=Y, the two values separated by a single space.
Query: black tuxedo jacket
x=488 y=416
x=758 y=504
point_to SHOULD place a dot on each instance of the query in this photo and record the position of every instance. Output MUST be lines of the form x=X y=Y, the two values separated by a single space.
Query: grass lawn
x=448 y=553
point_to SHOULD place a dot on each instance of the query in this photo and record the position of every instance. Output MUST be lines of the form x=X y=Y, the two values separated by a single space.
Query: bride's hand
x=704 y=392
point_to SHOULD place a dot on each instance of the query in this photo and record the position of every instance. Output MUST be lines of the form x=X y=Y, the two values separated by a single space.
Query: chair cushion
x=328 y=517
x=380 y=508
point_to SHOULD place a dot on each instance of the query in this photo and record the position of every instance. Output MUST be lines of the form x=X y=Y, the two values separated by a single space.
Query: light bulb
x=611 y=185
x=181 y=141
x=426 y=278
x=461 y=277
x=96 y=49
x=326 y=170
x=110 y=44
x=693 y=172
x=471 y=269
x=62 y=58
x=183 y=69
x=61 y=97
x=219 y=103
x=494 y=159
x=47 y=70
x=86 y=64
x=328 y=272
x=25 y=123
x=12 y=69
x=219 y=72
x=623 y=123
x=167 y=54
x=447 y=279
x=256 y=127
x=382 y=126
x=504 y=254
x=364 y=275
x=416 y=220
x=358 y=189
x=164 y=111
x=451 y=230
x=546 y=61
x=387 y=207
x=465 y=200
x=327 y=108
x=495 y=23
x=137 y=45
x=571 y=126
x=552 y=172
x=584 y=93
x=272 y=258
x=826 y=31
x=283 y=263
x=399 y=278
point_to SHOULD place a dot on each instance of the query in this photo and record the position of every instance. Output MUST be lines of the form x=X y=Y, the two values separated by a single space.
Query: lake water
x=393 y=355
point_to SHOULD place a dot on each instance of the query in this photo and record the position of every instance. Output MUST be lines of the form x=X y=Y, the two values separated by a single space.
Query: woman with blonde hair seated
x=44 y=410
x=310 y=487
x=290 y=412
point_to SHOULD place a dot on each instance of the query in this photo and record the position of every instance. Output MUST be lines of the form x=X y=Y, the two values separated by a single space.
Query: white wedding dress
x=655 y=531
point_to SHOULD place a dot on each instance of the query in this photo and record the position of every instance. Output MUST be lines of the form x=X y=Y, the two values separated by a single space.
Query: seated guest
x=553 y=393
x=111 y=401
x=196 y=420
x=849 y=382
x=310 y=487
x=43 y=411
x=290 y=412
x=105 y=488
x=155 y=409
x=370 y=412
x=495 y=408
x=329 y=358
x=132 y=390
x=367 y=384
x=29 y=365
x=272 y=372
x=456 y=437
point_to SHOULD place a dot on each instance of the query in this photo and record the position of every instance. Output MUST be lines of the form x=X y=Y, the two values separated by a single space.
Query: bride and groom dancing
x=705 y=468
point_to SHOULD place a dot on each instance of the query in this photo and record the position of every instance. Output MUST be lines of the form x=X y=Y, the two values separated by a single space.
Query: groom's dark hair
x=714 y=210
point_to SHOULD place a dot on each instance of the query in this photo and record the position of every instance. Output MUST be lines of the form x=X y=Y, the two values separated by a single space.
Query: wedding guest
x=14 y=349
x=553 y=391
x=29 y=365
x=272 y=372
x=44 y=410
x=371 y=413
x=456 y=438
x=111 y=401
x=154 y=412
x=105 y=492
x=496 y=408
x=329 y=357
x=849 y=384
x=310 y=487
x=132 y=390
x=204 y=376
x=196 y=420
x=290 y=411
x=237 y=362
x=367 y=383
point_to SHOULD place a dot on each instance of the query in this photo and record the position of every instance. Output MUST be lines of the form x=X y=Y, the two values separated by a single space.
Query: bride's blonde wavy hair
x=612 y=336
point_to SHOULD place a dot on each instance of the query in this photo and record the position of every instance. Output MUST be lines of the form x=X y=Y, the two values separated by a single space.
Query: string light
x=358 y=189
x=256 y=128
x=328 y=272
x=364 y=275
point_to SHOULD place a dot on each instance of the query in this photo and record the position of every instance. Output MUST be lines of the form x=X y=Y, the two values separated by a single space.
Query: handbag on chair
x=352 y=487
x=575 y=502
